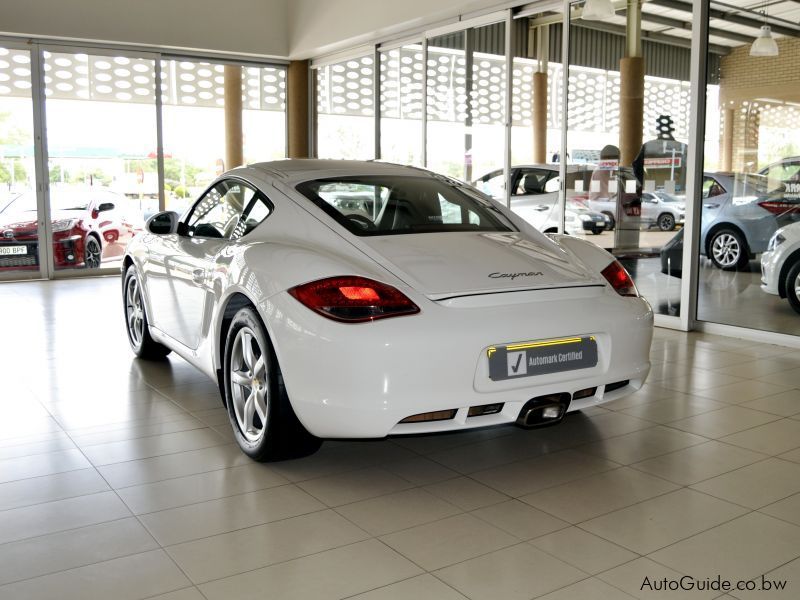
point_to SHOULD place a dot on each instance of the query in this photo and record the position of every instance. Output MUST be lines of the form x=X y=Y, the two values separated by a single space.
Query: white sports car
x=339 y=299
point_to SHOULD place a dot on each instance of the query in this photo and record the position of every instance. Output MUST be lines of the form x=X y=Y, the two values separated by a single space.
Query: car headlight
x=775 y=241
x=584 y=218
x=63 y=224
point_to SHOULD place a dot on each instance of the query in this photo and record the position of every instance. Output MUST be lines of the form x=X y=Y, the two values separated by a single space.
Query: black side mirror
x=163 y=223
x=105 y=206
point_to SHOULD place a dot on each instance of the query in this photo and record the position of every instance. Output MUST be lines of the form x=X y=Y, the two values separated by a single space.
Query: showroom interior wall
x=241 y=27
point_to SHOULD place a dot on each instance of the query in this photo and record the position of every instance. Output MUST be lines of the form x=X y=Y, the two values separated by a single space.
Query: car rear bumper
x=361 y=380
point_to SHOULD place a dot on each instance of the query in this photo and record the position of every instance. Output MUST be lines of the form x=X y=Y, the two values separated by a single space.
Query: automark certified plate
x=13 y=250
x=541 y=357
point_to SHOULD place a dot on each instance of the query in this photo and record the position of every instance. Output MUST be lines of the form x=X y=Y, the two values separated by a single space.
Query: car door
x=181 y=266
x=534 y=197
x=714 y=199
x=650 y=209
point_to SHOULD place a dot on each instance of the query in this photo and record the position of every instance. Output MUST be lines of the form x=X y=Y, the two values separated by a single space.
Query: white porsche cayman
x=339 y=299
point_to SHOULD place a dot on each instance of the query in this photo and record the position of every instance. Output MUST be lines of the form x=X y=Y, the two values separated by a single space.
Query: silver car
x=739 y=217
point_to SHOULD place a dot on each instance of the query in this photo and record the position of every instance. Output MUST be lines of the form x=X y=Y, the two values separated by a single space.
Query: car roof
x=305 y=169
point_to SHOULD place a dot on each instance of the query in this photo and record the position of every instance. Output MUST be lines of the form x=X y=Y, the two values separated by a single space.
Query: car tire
x=728 y=250
x=793 y=287
x=613 y=223
x=598 y=231
x=261 y=415
x=92 y=252
x=666 y=222
x=136 y=324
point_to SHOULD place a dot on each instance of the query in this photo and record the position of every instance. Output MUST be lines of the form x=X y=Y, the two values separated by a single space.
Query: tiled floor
x=119 y=479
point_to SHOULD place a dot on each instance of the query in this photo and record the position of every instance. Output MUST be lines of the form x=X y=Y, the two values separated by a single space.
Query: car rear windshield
x=391 y=205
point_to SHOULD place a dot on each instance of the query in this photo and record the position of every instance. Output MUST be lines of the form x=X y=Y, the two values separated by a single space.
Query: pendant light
x=764 y=44
x=598 y=10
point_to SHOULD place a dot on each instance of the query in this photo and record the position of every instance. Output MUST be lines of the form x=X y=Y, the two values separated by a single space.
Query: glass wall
x=466 y=77
x=401 y=88
x=627 y=127
x=536 y=106
x=749 y=263
x=102 y=143
x=102 y=148
x=19 y=236
x=193 y=98
x=345 y=109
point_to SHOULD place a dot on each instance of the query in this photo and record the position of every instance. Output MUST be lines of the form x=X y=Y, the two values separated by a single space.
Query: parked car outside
x=740 y=216
x=428 y=308
x=89 y=226
x=780 y=265
x=658 y=209
x=534 y=196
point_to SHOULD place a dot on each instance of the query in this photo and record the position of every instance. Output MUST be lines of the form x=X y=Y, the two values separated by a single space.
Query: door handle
x=199 y=276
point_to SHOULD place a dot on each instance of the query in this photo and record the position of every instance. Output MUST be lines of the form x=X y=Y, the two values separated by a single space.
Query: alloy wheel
x=134 y=311
x=797 y=286
x=726 y=250
x=248 y=381
x=92 y=253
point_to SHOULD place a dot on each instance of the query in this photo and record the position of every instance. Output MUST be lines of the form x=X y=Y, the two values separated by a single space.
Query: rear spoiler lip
x=450 y=296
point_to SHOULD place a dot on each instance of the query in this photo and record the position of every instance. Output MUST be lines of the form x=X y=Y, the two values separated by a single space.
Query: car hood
x=442 y=265
x=27 y=220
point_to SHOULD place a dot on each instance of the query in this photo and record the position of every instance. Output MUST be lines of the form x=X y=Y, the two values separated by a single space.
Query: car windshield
x=58 y=201
x=665 y=197
x=391 y=205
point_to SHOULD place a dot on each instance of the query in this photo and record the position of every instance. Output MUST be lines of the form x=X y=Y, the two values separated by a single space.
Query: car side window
x=531 y=183
x=219 y=212
x=711 y=188
x=255 y=213
x=553 y=185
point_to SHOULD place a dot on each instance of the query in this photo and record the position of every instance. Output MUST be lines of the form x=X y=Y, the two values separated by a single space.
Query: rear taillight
x=353 y=299
x=619 y=279
x=777 y=207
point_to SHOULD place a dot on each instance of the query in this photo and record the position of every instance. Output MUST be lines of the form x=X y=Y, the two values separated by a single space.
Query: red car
x=89 y=226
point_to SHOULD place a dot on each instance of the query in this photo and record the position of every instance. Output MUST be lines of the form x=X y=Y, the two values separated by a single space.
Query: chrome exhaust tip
x=543 y=410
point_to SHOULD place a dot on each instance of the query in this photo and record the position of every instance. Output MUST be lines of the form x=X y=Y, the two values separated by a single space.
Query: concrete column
x=540 y=99
x=631 y=109
x=234 y=144
x=631 y=119
x=631 y=93
x=726 y=162
x=297 y=100
x=540 y=117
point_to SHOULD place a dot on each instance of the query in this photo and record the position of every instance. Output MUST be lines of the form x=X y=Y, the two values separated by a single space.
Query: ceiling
x=733 y=22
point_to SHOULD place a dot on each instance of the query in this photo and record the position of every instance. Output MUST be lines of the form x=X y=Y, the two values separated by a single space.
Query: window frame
x=258 y=195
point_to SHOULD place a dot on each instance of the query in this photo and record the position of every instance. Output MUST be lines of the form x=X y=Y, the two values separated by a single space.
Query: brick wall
x=750 y=85
x=741 y=72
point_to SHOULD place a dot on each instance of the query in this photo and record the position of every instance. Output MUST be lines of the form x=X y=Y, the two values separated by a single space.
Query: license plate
x=13 y=250
x=527 y=359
